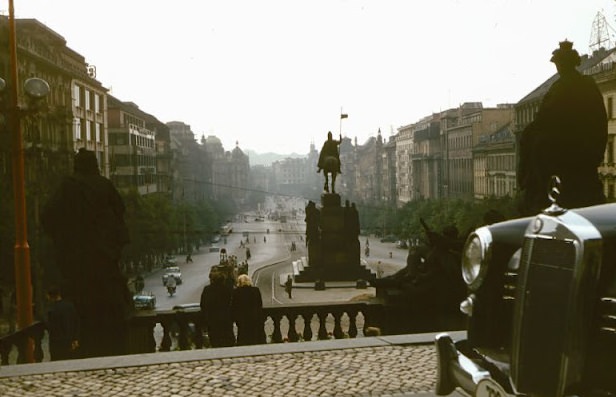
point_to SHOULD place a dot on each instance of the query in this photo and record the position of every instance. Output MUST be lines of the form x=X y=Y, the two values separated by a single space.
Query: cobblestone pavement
x=388 y=370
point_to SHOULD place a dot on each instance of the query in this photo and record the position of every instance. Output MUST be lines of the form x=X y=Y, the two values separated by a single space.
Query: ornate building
x=132 y=147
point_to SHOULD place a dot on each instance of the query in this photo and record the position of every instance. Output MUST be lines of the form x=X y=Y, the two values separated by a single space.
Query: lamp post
x=36 y=89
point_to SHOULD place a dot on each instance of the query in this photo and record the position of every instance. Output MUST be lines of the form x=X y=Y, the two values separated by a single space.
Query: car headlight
x=475 y=257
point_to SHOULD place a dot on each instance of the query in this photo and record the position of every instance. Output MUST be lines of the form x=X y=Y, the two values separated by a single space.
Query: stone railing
x=184 y=330
x=282 y=323
x=18 y=341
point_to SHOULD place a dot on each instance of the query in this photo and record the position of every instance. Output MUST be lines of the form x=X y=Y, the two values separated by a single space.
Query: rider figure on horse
x=329 y=151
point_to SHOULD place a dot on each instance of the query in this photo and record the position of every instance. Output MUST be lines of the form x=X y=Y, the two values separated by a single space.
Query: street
x=271 y=259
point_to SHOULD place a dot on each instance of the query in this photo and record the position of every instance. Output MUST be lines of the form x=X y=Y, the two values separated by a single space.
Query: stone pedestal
x=334 y=255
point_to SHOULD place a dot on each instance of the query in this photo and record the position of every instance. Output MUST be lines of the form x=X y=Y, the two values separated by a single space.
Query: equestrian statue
x=329 y=161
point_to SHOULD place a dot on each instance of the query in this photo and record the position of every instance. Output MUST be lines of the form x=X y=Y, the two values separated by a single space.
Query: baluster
x=338 y=334
x=165 y=344
x=322 y=329
x=5 y=351
x=199 y=340
x=183 y=342
x=38 y=333
x=292 y=336
x=21 y=343
x=352 y=323
x=277 y=335
x=307 y=326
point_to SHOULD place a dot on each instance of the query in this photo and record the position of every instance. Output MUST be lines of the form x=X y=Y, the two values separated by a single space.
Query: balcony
x=326 y=354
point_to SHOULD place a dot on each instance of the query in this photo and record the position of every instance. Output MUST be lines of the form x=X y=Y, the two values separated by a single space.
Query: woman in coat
x=247 y=309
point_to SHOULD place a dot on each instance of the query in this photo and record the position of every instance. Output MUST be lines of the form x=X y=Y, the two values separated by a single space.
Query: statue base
x=335 y=256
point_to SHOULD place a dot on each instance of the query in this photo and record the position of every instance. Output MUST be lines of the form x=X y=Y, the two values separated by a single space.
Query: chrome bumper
x=456 y=369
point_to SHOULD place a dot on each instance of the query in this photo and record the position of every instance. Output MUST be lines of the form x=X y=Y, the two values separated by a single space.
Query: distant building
x=404 y=172
x=132 y=147
x=427 y=159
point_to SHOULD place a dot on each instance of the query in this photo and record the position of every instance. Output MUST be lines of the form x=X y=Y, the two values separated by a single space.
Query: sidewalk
x=397 y=365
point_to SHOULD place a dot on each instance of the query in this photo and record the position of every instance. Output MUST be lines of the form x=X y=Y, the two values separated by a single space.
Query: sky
x=275 y=75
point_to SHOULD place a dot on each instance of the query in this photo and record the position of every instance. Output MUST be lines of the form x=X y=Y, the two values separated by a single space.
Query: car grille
x=607 y=311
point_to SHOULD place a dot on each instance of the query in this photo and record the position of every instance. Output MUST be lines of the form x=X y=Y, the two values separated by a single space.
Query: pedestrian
x=264 y=239
x=567 y=138
x=216 y=310
x=288 y=286
x=247 y=309
x=85 y=220
x=248 y=255
x=189 y=258
x=139 y=283
x=62 y=326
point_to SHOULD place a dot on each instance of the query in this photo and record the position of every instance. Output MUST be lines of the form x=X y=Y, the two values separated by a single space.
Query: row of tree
x=404 y=222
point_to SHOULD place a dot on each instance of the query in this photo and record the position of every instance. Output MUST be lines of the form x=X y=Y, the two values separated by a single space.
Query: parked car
x=389 y=239
x=541 y=308
x=172 y=271
x=144 y=301
x=401 y=244
x=187 y=306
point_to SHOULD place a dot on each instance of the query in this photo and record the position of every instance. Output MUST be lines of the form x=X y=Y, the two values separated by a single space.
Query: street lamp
x=36 y=89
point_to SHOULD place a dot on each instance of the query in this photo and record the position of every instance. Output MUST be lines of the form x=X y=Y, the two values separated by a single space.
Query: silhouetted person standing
x=567 y=138
x=63 y=326
x=247 y=309
x=288 y=286
x=216 y=311
x=85 y=219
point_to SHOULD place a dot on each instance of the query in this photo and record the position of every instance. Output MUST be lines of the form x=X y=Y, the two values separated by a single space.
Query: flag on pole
x=343 y=116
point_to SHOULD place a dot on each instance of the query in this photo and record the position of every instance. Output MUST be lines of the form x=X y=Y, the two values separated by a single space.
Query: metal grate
x=549 y=252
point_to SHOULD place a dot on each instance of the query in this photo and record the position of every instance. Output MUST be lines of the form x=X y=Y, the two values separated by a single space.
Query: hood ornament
x=553 y=194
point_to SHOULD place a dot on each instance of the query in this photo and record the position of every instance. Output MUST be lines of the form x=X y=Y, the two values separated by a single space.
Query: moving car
x=170 y=260
x=144 y=301
x=541 y=307
x=172 y=271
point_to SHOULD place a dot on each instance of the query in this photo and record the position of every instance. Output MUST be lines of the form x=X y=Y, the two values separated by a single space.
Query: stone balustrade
x=184 y=330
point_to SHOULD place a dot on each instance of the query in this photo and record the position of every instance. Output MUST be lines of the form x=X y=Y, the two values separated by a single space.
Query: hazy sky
x=274 y=75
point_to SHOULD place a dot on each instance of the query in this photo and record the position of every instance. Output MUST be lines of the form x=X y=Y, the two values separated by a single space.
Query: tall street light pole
x=23 y=280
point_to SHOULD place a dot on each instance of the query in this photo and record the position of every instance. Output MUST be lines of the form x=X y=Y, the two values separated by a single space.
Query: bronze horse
x=331 y=165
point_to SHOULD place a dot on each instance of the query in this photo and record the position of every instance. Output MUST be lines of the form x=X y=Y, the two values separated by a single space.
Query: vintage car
x=172 y=271
x=144 y=301
x=541 y=308
x=169 y=260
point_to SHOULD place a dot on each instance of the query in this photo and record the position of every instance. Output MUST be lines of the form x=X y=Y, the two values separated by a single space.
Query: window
x=98 y=131
x=77 y=128
x=97 y=103
x=88 y=132
x=86 y=95
x=77 y=95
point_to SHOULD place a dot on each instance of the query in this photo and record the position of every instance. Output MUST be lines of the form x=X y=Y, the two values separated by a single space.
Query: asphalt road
x=270 y=257
x=265 y=249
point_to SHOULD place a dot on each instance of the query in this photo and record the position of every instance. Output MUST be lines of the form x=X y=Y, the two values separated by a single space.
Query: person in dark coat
x=62 y=326
x=247 y=308
x=85 y=220
x=567 y=139
x=216 y=311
